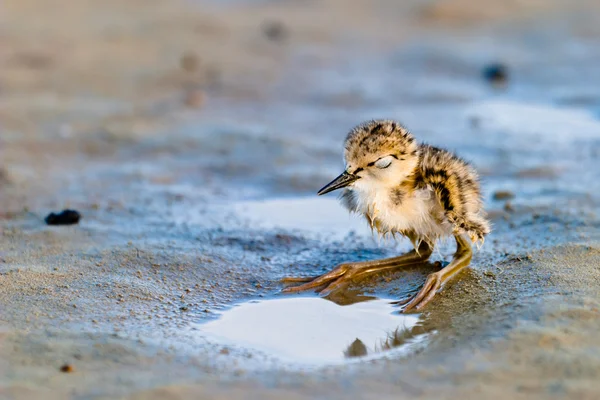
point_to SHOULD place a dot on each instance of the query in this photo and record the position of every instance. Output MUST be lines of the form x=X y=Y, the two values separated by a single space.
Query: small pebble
x=67 y=368
x=475 y=122
x=503 y=195
x=3 y=176
x=274 y=30
x=496 y=73
x=189 y=62
x=65 y=217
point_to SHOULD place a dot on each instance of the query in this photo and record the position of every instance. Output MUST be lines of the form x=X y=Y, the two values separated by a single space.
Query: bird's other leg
x=345 y=273
x=436 y=280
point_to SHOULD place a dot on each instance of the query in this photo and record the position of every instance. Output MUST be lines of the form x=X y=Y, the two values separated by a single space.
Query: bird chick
x=408 y=188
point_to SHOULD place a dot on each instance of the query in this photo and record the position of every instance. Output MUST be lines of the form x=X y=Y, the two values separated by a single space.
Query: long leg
x=436 y=280
x=345 y=273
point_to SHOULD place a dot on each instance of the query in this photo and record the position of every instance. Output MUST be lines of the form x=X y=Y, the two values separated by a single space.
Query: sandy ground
x=154 y=119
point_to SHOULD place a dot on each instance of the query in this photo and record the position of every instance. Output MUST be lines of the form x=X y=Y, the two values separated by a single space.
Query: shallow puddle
x=315 y=331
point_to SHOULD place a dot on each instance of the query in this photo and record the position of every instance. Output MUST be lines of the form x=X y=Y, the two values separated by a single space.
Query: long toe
x=298 y=279
x=318 y=281
x=426 y=300
x=301 y=288
x=429 y=289
x=404 y=301
x=339 y=284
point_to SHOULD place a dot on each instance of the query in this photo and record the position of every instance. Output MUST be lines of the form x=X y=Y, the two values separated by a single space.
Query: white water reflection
x=315 y=331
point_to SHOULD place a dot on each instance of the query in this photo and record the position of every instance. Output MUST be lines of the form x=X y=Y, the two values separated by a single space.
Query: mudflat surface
x=192 y=137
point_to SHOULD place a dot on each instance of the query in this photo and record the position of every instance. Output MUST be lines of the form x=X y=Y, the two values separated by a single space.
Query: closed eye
x=384 y=162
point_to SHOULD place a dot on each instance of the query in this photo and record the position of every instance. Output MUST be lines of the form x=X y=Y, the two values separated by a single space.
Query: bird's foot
x=336 y=279
x=418 y=301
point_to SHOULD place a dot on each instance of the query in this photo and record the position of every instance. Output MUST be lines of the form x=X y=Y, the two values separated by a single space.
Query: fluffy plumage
x=419 y=191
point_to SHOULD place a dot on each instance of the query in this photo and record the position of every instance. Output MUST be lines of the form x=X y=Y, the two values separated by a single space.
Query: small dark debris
x=32 y=60
x=67 y=368
x=540 y=172
x=65 y=217
x=184 y=308
x=3 y=176
x=284 y=239
x=508 y=207
x=189 y=62
x=503 y=195
x=274 y=30
x=496 y=73
x=475 y=122
x=194 y=98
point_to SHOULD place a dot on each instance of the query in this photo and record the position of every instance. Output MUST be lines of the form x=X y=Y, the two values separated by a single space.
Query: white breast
x=419 y=212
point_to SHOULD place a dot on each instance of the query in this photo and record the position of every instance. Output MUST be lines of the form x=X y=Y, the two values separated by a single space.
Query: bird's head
x=378 y=154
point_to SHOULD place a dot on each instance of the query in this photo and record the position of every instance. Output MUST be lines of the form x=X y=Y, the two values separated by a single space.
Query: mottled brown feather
x=454 y=182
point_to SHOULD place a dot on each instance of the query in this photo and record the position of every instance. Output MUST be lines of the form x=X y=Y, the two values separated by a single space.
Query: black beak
x=341 y=181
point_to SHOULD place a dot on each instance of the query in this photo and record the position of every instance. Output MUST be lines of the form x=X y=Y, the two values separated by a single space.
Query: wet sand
x=192 y=137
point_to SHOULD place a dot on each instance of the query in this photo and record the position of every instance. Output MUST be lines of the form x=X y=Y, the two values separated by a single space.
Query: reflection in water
x=412 y=277
x=315 y=331
x=348 y=296
x=396 y=338
x=356 y=349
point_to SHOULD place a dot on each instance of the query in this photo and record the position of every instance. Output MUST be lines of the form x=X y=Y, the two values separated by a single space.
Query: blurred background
x=253 y=98
x=192 y=136
x=153 y=112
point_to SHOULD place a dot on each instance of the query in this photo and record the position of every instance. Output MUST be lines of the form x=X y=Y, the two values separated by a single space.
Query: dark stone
x=65 y=217
x=274 y=30
x=503 y=195
x=67 y=368
x=496 y=73
x=189 y=62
